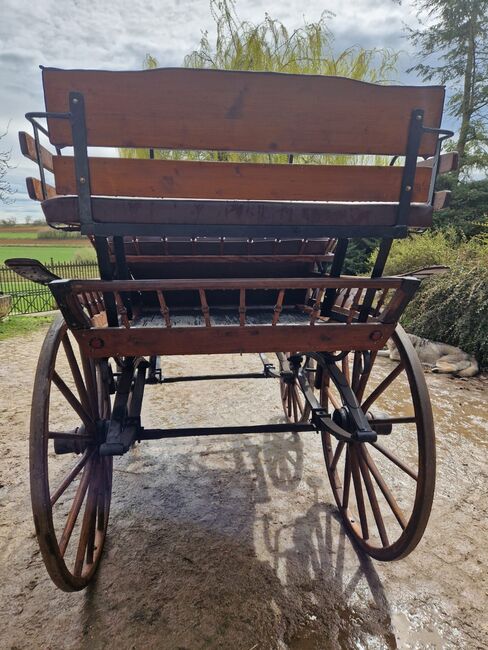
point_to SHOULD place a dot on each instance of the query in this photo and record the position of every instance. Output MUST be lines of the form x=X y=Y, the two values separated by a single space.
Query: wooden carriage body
x=237 y=247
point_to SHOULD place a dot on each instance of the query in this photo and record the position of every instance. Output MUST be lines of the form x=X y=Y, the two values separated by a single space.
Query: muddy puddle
x=234 y=542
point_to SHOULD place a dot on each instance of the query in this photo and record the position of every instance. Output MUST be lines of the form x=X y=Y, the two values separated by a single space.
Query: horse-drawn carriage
x=231 y=256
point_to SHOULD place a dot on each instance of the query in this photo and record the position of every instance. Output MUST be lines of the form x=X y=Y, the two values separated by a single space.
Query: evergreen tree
x=453 y=49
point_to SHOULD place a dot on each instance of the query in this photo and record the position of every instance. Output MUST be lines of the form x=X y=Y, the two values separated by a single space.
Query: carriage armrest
x=448 y=162
x=29 y=148
x=31 y=270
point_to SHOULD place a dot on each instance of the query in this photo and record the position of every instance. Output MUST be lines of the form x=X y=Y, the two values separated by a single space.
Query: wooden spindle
x=278 y=307
x=164 y=308
x=380 y=302
x=205 y=309
x=122 y=311
x=242 y=307
x=316 y=307
x=354 y=306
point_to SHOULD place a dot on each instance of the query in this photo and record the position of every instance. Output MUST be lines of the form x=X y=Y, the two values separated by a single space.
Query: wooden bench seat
x=202 y=215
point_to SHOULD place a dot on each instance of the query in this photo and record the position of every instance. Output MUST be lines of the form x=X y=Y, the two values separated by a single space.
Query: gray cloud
x=117 y=34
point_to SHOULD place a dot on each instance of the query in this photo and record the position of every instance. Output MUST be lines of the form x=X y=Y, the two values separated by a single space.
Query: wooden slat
x=224 y=259
x=442 y=199
x=34 y=189
x=64 y=209
x=28 y=148
x=207 y=180
x=241 y=111
x=448 y=162
x=145 y=341
x=78 y=286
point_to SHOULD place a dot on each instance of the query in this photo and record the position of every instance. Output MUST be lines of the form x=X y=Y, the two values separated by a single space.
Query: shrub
x=58 y=234
x=453 y=307
x=417 y=251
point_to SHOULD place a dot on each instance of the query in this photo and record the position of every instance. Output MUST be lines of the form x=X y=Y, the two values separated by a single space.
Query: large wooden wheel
x=384 y=490
x=71 y=483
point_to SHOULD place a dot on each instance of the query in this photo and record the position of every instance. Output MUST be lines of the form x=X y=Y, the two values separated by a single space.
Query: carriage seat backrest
x=227 y=111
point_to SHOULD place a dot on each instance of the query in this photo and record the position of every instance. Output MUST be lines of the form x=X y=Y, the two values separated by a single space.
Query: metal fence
x=31 y=298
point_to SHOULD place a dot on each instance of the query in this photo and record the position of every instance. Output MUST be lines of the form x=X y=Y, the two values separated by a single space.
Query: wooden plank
x=34 y=189
x=442 y=200
x=245 y=181
x=28 y=148
x=224 y=259
x=448 y=162
x=178 y=108
x=64 y=209
x=234 y=339
x=178 y=284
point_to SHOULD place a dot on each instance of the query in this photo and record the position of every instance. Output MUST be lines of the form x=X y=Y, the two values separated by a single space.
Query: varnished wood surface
x=233 y=339
x=344 y=282
x=64 y=209
x=179 y=108
x=247 y=181
x=448 y=162
x=34 y=189
x=225 y=259
x=28 y=148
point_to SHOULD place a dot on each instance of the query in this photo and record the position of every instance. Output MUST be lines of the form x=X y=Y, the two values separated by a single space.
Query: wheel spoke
x=365 y=375
x=70 y=477
x=395 y=460
x=294 y=400
x=347 y=479
x=75 y=371
x=72 y=400
x=356 y=477
x=356 y=371
x=89 y=372
x=372 y=498
x=337 y=455
x=382 y=386
x=75 y=509
x=300 y=402
x=87 y=534
x=333 y=399
x=395 y=508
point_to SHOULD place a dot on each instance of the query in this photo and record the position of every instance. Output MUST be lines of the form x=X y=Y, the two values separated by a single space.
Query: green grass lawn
x=21 y=325
x=58 y=253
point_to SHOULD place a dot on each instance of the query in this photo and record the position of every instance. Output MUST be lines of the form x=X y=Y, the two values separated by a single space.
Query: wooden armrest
x=448 y=162
x=442 y=200
x=34 y=189
x=28 y=148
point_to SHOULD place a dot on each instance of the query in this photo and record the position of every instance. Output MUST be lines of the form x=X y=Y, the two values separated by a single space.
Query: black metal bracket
x=32 y=117
x=358 y=427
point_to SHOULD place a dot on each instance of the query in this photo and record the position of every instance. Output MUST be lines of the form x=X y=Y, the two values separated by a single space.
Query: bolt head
x=408 y=188
x=75 y=100
x=82 y=179
x=419 y=117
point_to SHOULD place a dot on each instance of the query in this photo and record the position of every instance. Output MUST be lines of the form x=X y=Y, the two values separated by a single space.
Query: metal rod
x=157 y=434
x=244 y=375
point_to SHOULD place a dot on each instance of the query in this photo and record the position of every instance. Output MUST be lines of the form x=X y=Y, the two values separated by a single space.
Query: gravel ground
x=235 y=542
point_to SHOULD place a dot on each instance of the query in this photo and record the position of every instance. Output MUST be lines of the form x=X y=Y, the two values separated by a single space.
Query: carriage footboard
x=142 y=317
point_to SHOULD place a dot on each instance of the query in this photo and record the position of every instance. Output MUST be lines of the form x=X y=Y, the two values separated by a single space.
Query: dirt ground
x=234 y=543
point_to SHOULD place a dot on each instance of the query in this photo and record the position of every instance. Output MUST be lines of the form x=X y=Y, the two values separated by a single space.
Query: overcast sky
x=117 y=34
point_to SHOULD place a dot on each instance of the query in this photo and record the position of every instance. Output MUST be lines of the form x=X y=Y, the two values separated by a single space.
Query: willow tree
x=272 y=46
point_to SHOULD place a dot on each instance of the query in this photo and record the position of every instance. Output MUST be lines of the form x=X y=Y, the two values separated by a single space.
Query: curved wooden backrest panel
x=242 y=181
x=178 y=108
